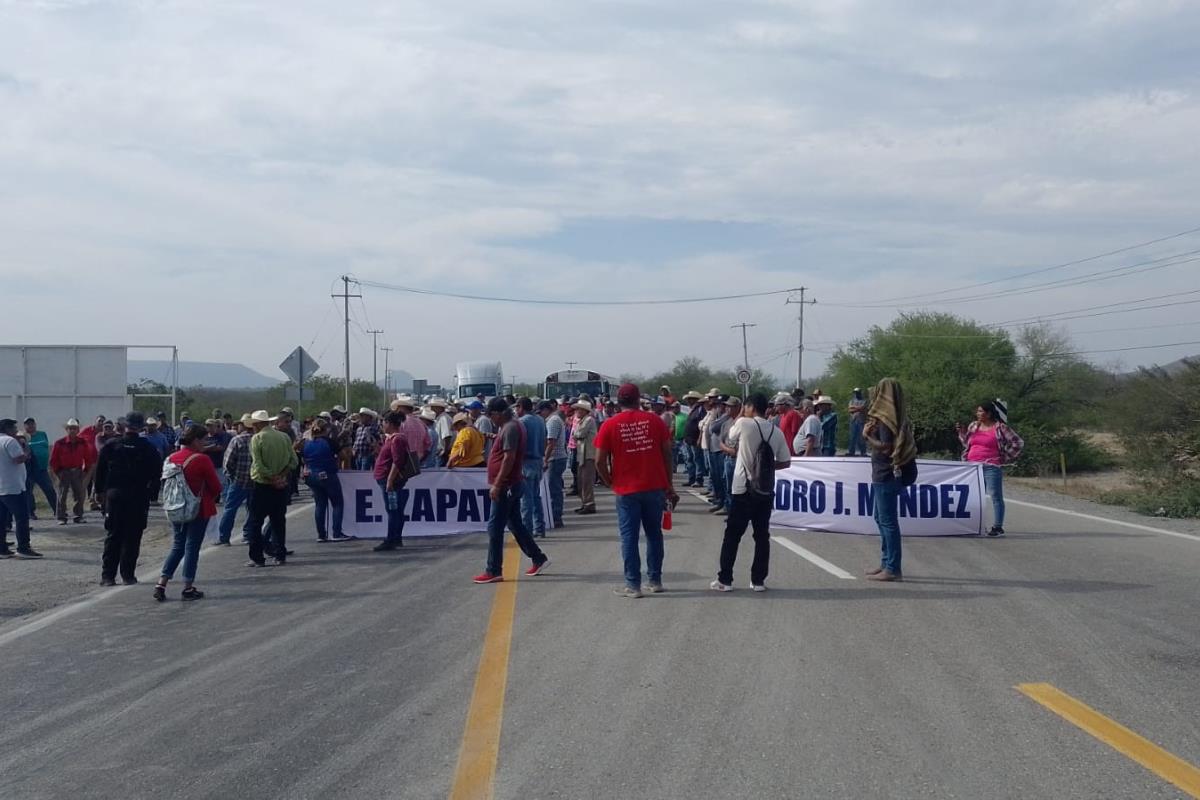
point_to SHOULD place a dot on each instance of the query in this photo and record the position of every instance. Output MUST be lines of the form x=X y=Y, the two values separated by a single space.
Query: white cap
x=428 y=414
x=584 y=404
x=72 y=423
x=436 y=401
x=404 y=401
x=258 y=416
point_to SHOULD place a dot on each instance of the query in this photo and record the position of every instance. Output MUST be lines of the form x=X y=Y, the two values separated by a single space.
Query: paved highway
x=351 y=674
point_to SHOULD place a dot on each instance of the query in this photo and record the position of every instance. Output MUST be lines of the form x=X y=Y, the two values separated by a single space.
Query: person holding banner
x=889 y=434
x=989 y=441
x=393 y=467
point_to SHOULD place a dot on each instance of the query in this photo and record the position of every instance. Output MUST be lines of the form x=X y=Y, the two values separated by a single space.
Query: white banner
x=835 y=495
x=438 y=502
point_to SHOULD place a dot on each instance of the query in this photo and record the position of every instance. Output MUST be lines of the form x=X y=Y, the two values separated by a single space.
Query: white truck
x=478 y=377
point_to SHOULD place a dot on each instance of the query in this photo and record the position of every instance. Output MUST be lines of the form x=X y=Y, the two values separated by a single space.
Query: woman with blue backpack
x=190 y=488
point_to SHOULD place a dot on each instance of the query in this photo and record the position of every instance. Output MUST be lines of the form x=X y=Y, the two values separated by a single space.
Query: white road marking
x=1094 y=518
x=54 y=615
x=813 y=558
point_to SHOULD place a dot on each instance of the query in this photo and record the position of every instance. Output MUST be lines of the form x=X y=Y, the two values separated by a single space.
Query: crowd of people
x=633 y=443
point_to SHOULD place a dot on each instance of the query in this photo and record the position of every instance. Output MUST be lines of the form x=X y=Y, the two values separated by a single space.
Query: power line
x=532 y=301
x=1042 y=270
x=1058 y=355
x=1094 y=277
x=1058 y=315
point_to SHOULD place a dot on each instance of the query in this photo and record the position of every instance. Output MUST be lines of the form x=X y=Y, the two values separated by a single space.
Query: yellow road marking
x=480 y=747
x=1163 y=764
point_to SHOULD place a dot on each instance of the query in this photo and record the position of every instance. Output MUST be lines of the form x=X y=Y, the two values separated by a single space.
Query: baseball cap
x=629 y=393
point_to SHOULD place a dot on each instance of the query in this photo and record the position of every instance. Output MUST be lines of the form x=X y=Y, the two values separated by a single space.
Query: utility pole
x=387 y=378
x=800 y=345
x=745 y=350
x=345 y=295
x=375 y=357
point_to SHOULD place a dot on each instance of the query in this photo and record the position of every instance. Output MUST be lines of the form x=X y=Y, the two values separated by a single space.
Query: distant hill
x=401 y=380
x=201 y=373
x=1174 y=368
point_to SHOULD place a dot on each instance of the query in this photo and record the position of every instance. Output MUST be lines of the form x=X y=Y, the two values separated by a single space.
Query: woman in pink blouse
x=989 y=441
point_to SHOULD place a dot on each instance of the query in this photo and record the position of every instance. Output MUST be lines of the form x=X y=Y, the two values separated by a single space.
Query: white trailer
x=475 y=377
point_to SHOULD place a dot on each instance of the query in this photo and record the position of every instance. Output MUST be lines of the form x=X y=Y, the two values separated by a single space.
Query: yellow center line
x=1163 y=764
x=480 y=748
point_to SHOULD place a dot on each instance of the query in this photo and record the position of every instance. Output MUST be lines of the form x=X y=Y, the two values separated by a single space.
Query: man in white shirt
x=808 y=440
x=753 y=492
x=443 y=430
x=14 y=502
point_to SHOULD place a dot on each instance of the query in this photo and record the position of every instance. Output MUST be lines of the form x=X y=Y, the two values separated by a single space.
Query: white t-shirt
x=747 y=435
x=12 y=476
x=810 y=427
x=444 y=430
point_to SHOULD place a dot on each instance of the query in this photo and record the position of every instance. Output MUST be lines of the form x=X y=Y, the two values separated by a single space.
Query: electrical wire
x=1043 y=270
x=1113 y=273
x=543 y=302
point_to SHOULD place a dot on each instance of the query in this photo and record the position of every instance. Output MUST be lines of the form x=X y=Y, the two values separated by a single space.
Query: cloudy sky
x=200 y=173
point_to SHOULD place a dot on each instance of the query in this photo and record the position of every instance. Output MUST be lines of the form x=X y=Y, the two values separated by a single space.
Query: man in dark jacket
x=696 y=459
x=127 y=476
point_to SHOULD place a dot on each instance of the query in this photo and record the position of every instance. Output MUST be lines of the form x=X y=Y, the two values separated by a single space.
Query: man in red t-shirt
x=789 y=419
x=506 y=485
x=633 y=456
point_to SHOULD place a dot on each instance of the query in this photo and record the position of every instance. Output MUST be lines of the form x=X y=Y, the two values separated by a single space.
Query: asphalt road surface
x=351 y=674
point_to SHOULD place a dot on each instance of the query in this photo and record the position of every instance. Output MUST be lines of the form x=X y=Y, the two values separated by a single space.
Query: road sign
x=743 y=376
x=299 y=366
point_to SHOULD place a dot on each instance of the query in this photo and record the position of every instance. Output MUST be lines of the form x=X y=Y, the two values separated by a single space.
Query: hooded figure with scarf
x=889 y=434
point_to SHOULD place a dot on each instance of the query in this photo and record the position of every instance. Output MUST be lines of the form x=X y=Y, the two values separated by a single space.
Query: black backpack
x=761 y=480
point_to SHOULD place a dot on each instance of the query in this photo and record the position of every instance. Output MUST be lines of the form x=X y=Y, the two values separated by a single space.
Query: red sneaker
x=487 y=577
x=538 y=569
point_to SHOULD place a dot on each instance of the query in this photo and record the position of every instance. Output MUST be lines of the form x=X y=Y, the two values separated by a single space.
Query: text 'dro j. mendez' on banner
x=835 y=495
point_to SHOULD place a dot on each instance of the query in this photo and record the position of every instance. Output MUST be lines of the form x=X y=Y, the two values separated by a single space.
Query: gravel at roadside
x=71 y=566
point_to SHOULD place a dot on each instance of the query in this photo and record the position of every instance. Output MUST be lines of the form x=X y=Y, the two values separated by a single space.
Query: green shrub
x=1045 y=447
x=1174 y=498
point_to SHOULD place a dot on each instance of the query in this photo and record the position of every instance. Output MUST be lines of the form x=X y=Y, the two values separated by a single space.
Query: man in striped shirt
x=237 y=484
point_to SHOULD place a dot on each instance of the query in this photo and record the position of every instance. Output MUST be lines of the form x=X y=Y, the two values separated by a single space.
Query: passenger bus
x=574 y=382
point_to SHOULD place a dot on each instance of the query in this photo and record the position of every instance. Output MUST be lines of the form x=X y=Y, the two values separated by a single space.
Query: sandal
x=160 y=592
x=192 y=593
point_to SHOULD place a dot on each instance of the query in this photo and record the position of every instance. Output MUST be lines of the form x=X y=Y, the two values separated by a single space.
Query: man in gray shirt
x=555 y=460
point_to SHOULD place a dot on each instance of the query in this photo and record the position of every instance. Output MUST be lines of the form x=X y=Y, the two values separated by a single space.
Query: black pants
x=125 y=522
x=268 y=503
x=747 y=509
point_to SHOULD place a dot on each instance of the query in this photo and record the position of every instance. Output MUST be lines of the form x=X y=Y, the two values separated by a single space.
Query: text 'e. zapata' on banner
x=438 y=502
x=835 y=495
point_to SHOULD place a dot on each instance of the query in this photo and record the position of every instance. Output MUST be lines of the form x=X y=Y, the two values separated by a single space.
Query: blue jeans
x=41 y=479
x=15 y=508
x=993 y=483
x=366 y=464
x=507 y=511
x=186 y=548
x=555 y=479
x=327 y=492
x=858 y=445
x=728 y=480
x=716 y=471
x=641 y=510
x=395 y=518
x=887 y=517
x=234 y=497
x=532 y=513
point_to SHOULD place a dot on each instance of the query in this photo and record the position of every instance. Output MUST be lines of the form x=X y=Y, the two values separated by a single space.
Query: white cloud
x=254 y=155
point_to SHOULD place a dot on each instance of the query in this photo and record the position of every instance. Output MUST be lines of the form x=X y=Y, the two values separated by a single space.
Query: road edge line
x=1095 y=518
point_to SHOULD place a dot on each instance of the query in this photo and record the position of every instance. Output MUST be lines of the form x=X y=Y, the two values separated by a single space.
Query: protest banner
x=834 y=495
x=438 y=502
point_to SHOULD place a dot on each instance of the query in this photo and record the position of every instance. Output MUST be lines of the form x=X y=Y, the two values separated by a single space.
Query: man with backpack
x=127 y=475
x=760 y=449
